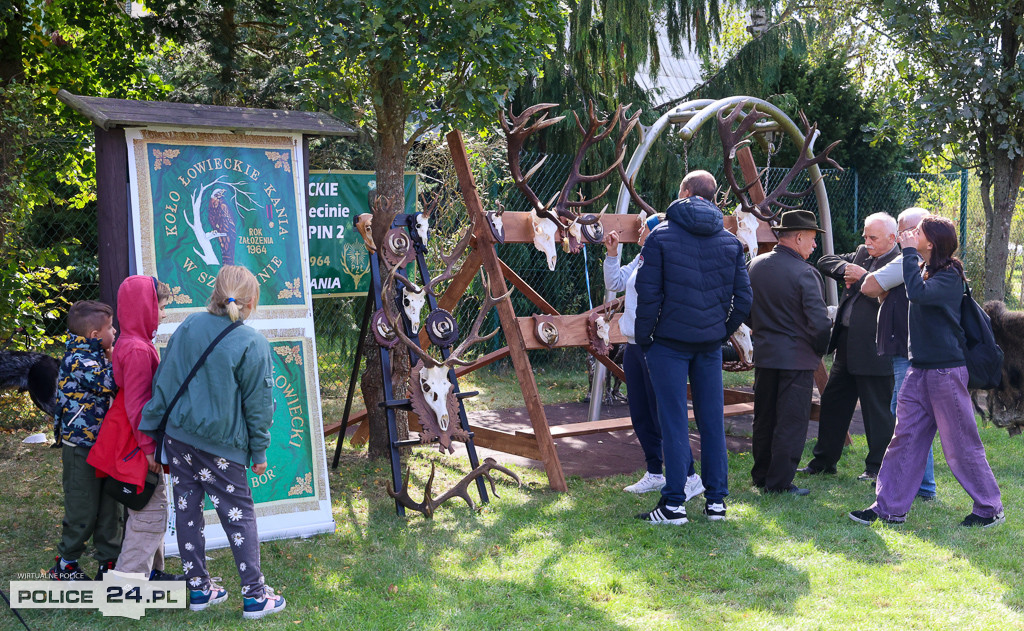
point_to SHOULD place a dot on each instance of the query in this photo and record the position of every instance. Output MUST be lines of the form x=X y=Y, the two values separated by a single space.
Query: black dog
x=32 y=372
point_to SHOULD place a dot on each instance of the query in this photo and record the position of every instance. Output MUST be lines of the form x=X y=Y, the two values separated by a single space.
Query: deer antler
x=455 y=358
x=516 y=134
x=733 y=140
x=450 y=260
x=429 y=204
x=429 y=504
x=802 y=162
x=598 y=130
x=628 y=124
x=388 y=298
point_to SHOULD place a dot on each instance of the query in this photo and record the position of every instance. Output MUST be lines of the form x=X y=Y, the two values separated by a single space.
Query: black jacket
x=789 y=320
x=936 y=338
x=861 y=351
x=692 y=289
x=893 y=336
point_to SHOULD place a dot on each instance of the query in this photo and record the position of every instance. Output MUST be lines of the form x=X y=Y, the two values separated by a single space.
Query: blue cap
x=652 y=221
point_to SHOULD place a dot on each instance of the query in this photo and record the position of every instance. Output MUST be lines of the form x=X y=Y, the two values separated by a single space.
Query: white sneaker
x=694 y=486
x=650 y=482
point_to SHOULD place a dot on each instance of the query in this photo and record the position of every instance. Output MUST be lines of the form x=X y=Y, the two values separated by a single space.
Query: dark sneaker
x=70 y=573
x=869 y=516
x=977 y=520
x=258 y=607
x=160 y=575
x=809 y=470
x=664 y=514
x=200 y=599
x=867 y=477
x=714 y=510
x=927 y=497
x=105 y=566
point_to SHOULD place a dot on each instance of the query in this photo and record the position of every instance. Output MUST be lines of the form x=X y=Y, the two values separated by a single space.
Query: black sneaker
x=663 y=514
x=70 y=573
x=977 y=520
x=867 y=477
x=105 y=566
x=160 y=575
x=714 y=510
x=868 y=516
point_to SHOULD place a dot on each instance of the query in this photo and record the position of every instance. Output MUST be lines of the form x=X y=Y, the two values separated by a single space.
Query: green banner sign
x=339 y=264
x=215 y=199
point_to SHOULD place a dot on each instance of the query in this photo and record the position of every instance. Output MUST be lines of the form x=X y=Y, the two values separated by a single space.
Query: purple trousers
x=930 y=400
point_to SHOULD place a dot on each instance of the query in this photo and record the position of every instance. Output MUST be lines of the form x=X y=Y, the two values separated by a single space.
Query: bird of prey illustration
x=222 y=220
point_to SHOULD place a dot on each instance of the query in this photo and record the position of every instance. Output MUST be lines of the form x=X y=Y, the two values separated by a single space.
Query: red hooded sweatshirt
x=121 y=449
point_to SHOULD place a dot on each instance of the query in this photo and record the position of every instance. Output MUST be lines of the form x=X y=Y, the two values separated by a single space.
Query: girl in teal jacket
x=218 y=427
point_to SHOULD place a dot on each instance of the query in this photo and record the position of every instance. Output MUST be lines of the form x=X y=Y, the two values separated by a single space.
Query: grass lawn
x=535 y=559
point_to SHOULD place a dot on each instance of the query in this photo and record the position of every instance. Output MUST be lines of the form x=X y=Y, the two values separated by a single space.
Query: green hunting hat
x=798 y=220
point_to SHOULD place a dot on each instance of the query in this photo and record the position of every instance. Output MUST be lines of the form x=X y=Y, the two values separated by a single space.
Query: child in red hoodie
x=122 y=451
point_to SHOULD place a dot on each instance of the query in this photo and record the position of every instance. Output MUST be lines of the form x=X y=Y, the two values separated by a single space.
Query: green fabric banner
x=339 y=264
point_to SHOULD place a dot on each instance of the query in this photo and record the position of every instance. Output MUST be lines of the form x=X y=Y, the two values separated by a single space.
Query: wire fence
x=576 y=284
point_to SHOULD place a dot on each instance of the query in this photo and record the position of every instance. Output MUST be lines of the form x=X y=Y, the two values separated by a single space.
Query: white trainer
x=694 y=487
x=650 y=482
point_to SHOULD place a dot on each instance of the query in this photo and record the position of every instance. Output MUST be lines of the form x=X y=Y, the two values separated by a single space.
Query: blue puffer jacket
x=692 y=287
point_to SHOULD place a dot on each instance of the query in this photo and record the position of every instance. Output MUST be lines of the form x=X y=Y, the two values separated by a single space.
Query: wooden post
x=113 y=209
x=507 y=316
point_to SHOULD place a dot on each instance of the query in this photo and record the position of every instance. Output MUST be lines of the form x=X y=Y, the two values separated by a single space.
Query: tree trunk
x=390 y=155
x=1006 y=179
x=224 y=51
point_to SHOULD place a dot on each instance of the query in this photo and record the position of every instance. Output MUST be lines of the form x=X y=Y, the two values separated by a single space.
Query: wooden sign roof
x=111 y=113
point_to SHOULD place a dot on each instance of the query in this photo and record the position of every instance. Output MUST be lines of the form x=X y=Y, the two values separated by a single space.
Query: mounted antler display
x=429 y=504
x=560 y=218
x=734 y=139
x=430 y=391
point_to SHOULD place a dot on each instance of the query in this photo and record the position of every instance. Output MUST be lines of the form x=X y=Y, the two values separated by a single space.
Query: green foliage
x=30 y=312
x=961 y=72
x=451 y=61
x=225 y=53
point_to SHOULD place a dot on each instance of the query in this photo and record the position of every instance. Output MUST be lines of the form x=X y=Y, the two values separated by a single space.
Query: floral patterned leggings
x=194 y=474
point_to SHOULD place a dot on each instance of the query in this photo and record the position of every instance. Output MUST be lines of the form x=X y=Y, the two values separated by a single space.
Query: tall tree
x=225 y=52
x=963 y=69
x=406 y=67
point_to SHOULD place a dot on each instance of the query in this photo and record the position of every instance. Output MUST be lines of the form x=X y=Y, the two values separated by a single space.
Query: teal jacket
x=229 y=405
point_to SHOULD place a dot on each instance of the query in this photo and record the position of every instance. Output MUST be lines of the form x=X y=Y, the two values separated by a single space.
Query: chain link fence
x=69 y=236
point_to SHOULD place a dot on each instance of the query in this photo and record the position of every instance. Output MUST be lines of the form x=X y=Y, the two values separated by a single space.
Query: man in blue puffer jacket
x=692 y=294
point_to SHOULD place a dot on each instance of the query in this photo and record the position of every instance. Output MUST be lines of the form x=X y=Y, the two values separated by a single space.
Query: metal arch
x=693 y=115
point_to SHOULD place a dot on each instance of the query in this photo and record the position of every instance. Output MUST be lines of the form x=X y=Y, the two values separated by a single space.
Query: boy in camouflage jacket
x=85 y=390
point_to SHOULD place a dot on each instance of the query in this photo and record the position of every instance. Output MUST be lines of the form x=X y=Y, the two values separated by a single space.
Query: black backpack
x=984 y=357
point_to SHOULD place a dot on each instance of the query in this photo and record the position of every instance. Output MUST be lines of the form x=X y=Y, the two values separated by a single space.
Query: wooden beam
x=506 y=314
x=620 y=424
x=483 y=360
x=113 y=212
x=524 y=287
x=572 y=331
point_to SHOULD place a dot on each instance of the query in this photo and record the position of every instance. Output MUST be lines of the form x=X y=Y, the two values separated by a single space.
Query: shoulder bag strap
x=184 y=384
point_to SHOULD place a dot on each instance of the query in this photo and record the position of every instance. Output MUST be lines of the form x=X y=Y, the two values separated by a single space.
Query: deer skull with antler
x=561 y=212
x=430 y=390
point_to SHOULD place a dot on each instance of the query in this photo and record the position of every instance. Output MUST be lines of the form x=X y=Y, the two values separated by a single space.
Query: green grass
x=537 y=559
